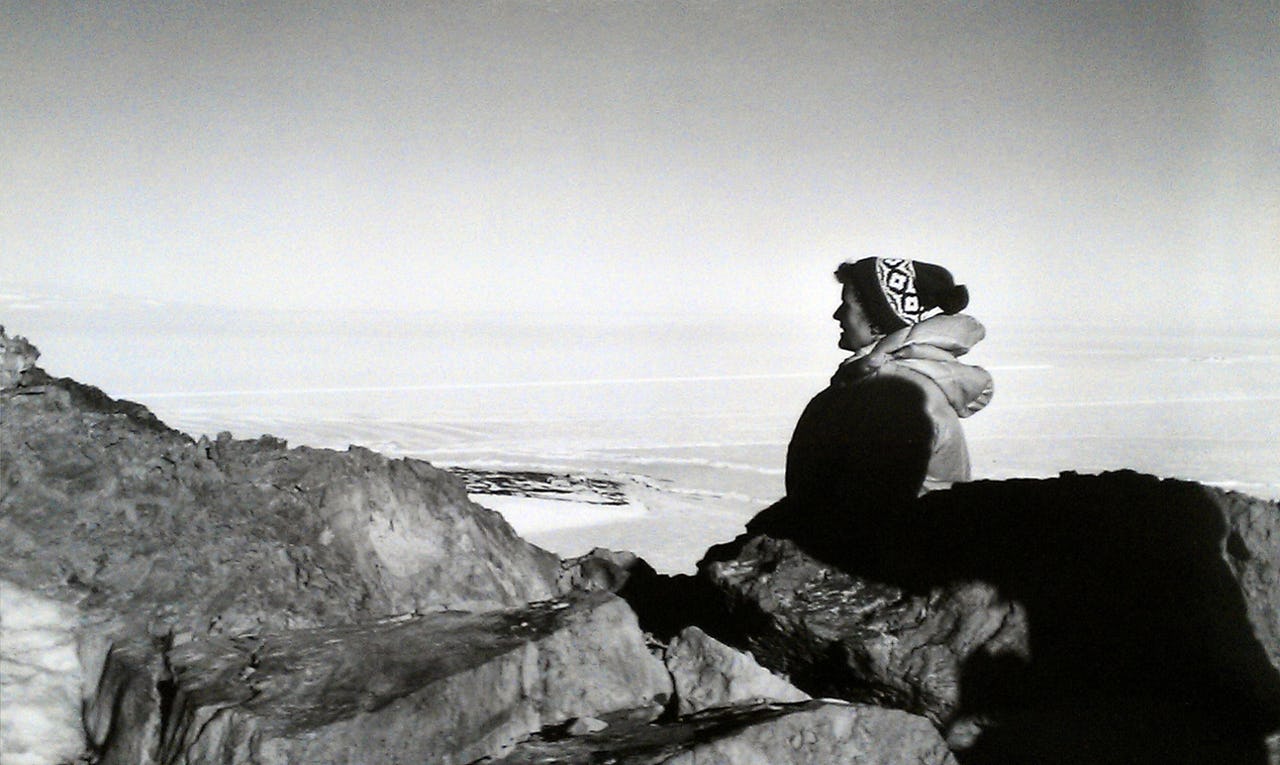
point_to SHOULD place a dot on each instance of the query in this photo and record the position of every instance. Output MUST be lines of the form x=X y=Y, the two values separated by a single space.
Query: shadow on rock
x=1140 y=644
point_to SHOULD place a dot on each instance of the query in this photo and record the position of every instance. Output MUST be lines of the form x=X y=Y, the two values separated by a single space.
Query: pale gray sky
x=1115 y=160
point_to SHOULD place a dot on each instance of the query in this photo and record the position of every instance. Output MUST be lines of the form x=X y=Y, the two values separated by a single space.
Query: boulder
x=443 y=688
x=707 y=673
x=602 y=569
x=806 y=733
x=836 y=634
x=1124 y=610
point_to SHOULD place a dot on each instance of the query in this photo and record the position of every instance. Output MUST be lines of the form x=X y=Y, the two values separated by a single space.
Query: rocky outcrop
x=852 y=637
x=707 y=673
x=17 y=355
x=1251 y=544
x=149 y=535
x=806 y=733
x=106 y=507
x=1024 y=617
x=441 y=688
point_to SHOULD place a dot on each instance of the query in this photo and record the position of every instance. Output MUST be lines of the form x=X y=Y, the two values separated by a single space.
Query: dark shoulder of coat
x=869 y=441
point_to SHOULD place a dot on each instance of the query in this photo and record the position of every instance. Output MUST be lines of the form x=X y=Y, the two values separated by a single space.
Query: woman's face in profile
x=855 y=329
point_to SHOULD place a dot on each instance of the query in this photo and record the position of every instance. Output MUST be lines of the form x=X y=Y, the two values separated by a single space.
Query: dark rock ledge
x=445 y=687
x=1082 y=619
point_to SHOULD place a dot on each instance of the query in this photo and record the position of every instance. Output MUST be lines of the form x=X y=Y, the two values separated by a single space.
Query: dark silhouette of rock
x=1112 y=618
x=441 y=688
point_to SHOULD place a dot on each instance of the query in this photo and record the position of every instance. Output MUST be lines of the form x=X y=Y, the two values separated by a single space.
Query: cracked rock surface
x=443 y=688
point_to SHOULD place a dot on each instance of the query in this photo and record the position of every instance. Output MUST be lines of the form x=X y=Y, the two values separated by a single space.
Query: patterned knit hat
x=895 y=292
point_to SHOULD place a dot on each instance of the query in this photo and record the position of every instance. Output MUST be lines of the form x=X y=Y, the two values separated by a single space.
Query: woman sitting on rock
x=888 y=426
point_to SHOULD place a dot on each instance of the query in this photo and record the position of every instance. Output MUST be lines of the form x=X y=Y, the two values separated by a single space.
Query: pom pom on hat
x=896 y=292
x=954 y=300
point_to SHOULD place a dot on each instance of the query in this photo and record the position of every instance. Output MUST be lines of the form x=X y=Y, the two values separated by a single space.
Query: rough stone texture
x=841 y=635
x=106 y=507
x=441 y=688
x=114 y=512
x=600 y=569
x=150 y=534
x=666 y=604
x=808 y=733
x=16 y=356
x=1252 y=553
x=39 y=679
x=707 y=673
x=829 y=734
x=125 y=714
x=1120 y=613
